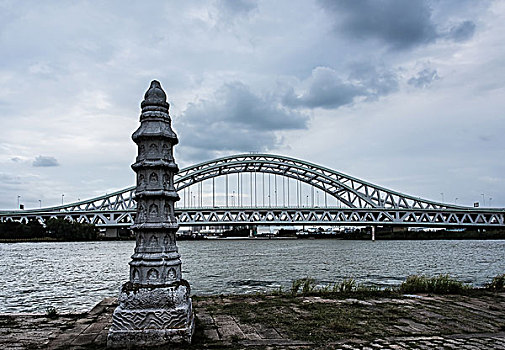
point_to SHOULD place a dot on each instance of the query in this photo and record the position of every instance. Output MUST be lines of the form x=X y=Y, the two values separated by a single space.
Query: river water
x=74 y=276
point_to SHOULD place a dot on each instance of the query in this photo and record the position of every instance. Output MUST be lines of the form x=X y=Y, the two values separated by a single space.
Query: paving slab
x=261 y=322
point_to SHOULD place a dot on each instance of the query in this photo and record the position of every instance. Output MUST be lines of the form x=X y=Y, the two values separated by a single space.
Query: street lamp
x=442 y=194
x=18 y=201
x=483 y=200
x=62 y=198
x=40 y=203
x=456 y=200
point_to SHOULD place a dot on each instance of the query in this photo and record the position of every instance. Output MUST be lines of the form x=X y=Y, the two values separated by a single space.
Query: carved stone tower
x=154 y=306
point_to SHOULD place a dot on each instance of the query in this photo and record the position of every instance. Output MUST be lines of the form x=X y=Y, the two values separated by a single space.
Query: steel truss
x=363 y=202
x=291 y=216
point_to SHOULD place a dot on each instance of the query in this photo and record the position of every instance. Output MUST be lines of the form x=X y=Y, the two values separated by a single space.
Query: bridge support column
x=373 y=233
x=154 y=306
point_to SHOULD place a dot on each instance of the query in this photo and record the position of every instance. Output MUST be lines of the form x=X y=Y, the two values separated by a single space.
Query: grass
x=308 y=319
x=345 y=288
x=498 y=283
x=323 y=314
x=51 y=312
x=442 y=284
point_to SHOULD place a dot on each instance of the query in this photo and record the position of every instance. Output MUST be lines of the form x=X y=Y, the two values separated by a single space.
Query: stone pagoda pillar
x=154 y=306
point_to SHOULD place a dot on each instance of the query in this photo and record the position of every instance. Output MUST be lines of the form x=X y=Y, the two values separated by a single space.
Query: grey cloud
x=424 y=78
x=401 y=24
x=376 y=81
x=327 y=90
x=462 y=32
x=236 y=119
x=7 y=179
x=43 y=161
x=397 y=23
x=236 y=7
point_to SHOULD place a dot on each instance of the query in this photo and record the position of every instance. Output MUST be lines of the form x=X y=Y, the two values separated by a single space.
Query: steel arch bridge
x=363 y=203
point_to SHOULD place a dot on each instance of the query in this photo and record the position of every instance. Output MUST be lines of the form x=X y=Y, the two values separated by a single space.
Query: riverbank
x=348 y=321
x=495 y=234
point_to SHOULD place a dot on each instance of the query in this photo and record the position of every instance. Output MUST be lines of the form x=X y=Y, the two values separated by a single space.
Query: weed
x=51 y=312
x=346 y=286
x=498 y=283
x=442 y=284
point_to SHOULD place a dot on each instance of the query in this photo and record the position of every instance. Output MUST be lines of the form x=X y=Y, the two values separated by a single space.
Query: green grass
x=314 y=321
x=498 y=283
x=442 y=284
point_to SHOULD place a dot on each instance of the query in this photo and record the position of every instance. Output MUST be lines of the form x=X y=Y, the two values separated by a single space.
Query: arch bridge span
x=361 y=202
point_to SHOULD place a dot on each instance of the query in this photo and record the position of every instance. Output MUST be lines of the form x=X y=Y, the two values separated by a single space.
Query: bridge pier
x=373 y=233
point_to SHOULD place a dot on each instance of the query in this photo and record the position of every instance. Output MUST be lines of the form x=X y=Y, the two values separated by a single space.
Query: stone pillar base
x=152 y=316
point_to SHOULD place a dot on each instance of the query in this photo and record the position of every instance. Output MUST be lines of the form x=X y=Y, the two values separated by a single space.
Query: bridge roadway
x=362 y=203
x=285 y=216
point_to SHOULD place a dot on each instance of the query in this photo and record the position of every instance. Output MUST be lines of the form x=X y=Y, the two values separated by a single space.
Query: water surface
x=74 y=276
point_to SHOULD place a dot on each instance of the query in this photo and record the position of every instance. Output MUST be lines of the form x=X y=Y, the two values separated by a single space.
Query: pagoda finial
x=155 y=96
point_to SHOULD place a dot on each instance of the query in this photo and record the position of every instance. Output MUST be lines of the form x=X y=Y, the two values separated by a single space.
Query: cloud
x=43 y=161
x=236 y=7
x=327 y=90
x=7 y=179
x=397 y=23
x=235 y=119
x=401 y=24
x=424 y=78
x=462 y=32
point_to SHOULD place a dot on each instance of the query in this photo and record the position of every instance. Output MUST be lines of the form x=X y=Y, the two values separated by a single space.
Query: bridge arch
x=352 y=192
x=365 y=203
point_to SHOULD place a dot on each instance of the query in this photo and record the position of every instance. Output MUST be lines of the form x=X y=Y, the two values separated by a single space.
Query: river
x=74 y=276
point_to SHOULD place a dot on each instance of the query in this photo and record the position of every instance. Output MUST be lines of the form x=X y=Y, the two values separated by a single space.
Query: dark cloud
x=397 y=23
x=401 y=24
x=424 y=78
x=235 y=119
x=43 y=161
x=327 y=90
x=462 y=32
x=16 y=159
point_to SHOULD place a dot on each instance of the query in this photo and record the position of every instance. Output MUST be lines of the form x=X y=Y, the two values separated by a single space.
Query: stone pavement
x=243 y=322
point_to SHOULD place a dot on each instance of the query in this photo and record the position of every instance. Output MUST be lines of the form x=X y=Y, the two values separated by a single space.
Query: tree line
x=57 y=229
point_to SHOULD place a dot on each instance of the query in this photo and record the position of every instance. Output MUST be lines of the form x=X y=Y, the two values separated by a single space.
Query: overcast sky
x=405 y=94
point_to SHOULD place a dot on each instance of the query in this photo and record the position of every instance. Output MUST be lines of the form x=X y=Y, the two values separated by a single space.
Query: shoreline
x=49 y=240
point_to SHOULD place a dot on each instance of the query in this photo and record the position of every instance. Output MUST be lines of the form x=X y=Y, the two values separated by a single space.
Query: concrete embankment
x=472 y=321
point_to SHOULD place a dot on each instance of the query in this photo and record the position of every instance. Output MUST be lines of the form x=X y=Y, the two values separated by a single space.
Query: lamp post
x=483 y=200
x=18 y=201
x=62 y=198
x=442 y=194
x=40 y=203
